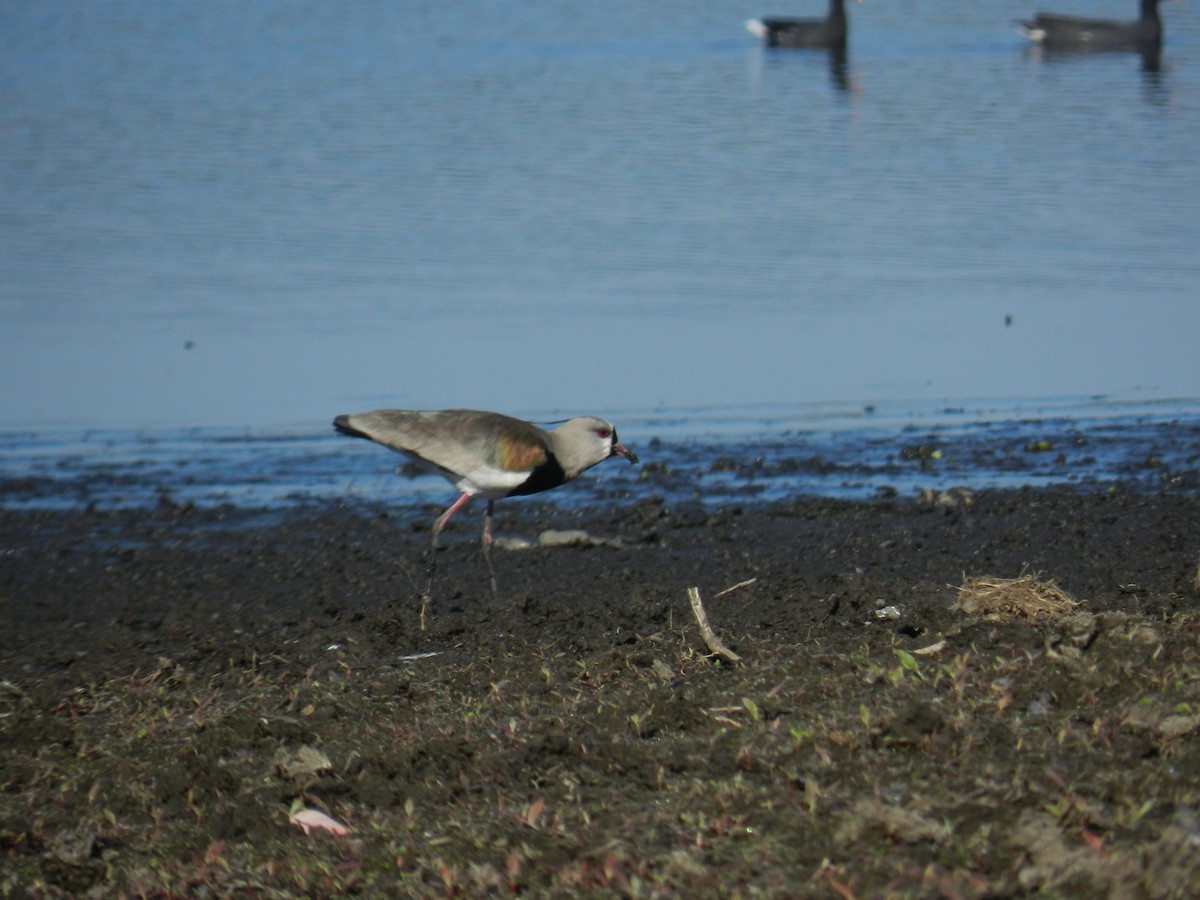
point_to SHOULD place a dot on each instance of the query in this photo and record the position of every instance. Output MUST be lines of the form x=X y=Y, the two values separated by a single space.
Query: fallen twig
x=710 y=638
x=734 y=587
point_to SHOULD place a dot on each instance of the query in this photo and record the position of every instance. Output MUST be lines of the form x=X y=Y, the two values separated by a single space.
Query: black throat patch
x=548 y=475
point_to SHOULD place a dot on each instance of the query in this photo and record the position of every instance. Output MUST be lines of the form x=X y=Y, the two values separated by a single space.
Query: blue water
x=253 y=216
x=714 y=455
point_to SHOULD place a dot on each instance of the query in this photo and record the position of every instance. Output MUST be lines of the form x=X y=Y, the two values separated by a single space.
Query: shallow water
x=713 y=456
x=257 y=216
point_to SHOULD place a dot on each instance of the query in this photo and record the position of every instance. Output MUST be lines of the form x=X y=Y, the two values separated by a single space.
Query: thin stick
x=734 y=587
x=710 y=638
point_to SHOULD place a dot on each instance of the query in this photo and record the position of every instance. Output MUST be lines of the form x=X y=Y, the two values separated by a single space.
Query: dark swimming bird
x=1058 y=32
x=800 y=33
x=488 y=454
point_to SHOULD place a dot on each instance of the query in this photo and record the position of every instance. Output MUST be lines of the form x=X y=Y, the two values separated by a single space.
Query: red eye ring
x=603 y=433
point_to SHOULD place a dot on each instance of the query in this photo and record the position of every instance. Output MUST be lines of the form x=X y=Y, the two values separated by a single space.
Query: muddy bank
x=166 y=670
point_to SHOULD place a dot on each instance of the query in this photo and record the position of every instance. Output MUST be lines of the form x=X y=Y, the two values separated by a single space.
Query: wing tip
x=341 y=424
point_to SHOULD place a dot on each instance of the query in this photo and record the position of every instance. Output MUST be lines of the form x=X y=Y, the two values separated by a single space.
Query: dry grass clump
x=1025 y=597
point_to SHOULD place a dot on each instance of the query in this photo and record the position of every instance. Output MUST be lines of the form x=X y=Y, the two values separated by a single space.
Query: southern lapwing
x=487 y=454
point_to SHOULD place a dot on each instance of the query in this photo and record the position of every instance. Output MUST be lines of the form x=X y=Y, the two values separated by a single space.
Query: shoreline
x=216 y=467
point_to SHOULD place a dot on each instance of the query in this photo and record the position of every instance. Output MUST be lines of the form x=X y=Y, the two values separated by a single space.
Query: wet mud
x=182 y=685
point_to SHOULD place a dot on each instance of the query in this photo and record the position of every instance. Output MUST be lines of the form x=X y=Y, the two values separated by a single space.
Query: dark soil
x=178 y=682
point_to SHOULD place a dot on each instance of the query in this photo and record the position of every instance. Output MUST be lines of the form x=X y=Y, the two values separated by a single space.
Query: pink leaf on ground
x=308 y=819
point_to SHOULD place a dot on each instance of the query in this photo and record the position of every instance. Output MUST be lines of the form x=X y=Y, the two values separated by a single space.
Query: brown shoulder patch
x=519 y=456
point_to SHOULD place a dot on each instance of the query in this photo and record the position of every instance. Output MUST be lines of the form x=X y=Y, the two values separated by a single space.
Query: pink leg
x=438 y=525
